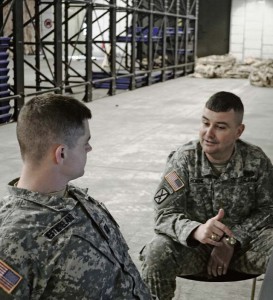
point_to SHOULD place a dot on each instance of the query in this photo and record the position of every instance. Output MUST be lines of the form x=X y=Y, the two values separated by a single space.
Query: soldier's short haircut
x=49 y=119
x=226 y=101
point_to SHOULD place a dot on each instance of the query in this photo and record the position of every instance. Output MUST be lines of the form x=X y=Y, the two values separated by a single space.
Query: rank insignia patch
x=161 y=195
x=174 y=181
x=9 y=279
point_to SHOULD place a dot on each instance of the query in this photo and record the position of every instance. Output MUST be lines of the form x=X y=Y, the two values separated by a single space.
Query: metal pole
x=88 y=59
x=112 y=29
x=37 y=45
x=196 y=31
x=58 y=45
x=66 y=45
x=151 y=43
x=1 y=19
x=187 y=37
x=133 y=47
x=18 y=59
x=164 y=46
x=176 y=42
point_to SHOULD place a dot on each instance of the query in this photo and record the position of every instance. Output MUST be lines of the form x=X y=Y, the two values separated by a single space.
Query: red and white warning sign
x=48 y=23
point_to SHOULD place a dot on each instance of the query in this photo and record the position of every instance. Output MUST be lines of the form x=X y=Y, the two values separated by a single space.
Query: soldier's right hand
x=212 y=231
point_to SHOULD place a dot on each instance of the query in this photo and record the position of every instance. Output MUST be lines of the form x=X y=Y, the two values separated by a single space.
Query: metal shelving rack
x=142 y=42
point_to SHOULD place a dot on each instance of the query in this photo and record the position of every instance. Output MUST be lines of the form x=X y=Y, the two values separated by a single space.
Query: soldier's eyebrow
x=219 y=123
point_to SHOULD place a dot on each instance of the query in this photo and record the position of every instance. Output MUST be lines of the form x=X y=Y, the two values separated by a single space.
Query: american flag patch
x=9 y=279
x=174 y=181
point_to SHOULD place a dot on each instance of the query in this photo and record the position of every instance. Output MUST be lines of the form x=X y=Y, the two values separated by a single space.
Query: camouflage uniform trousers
x=163 y=260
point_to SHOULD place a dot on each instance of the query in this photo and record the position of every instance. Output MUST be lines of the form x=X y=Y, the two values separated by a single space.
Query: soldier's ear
x=240 y=130
x=60 y=154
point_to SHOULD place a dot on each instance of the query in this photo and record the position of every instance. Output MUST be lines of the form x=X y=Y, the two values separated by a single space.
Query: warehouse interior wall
x=213 y=27
x=251 y=32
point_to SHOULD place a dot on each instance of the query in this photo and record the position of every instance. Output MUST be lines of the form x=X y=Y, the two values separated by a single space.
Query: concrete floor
x=132 y=134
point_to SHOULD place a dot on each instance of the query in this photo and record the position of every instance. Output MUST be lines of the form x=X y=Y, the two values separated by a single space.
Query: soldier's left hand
x=220 y=259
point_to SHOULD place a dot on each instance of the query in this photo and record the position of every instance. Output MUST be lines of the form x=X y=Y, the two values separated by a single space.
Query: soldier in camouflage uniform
x=56 y=242
x=214 y=205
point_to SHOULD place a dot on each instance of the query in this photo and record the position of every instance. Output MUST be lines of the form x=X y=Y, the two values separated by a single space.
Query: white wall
x=251 y=32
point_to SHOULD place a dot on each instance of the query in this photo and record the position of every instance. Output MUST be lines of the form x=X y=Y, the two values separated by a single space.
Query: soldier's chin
x=209 y=149
x=208 y=144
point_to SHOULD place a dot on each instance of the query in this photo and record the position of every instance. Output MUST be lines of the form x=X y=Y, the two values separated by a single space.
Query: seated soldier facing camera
x=214 y=205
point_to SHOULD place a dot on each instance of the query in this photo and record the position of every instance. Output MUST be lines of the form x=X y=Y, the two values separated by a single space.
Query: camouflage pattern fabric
x=189 y=194
x=63 y=248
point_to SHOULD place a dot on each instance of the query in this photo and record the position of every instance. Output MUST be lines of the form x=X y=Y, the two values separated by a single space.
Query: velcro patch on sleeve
x=174 y=181
x=161 y=195
x=9 y=279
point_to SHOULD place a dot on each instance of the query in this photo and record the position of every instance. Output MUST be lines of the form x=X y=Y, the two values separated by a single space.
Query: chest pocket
x=199 y=199
x=239 y=199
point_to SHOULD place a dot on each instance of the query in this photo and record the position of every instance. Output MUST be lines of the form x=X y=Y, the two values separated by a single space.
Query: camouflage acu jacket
x=190 y=193
x=63 y=248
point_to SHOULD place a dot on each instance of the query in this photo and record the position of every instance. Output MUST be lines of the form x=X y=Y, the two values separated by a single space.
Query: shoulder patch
x=174 y=181
x=9 y=279
x=161 y=195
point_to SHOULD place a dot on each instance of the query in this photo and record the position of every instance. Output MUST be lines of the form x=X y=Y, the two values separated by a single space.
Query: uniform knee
x=158 y=254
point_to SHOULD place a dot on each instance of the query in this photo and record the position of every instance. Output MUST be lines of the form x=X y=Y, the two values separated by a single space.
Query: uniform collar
x=54 y=202
x=234 y=167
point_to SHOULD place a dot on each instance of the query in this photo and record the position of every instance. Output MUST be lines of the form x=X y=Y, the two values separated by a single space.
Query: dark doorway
x=213 y=27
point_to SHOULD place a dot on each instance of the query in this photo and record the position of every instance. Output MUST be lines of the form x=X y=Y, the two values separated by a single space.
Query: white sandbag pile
x=262 y=73
x=259 y=71
x=214 y=66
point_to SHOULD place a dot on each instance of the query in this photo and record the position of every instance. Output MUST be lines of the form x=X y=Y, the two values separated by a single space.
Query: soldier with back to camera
x=56 y=242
